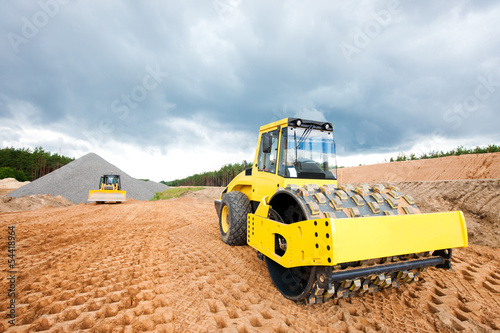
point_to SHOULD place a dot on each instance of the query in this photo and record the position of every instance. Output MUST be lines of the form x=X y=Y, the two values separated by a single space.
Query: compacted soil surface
x=161 y=266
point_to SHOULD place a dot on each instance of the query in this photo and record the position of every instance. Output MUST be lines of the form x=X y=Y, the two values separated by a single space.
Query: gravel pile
x=74 y=180
x=154 y=186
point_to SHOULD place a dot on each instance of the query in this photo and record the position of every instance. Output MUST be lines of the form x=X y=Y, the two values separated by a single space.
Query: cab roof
x=297 y=122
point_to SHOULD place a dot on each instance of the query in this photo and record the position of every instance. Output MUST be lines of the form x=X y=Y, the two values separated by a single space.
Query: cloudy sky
x=166 y=89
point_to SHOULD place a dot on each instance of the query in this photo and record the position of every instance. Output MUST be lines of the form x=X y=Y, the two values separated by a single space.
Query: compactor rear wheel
x=315 y=284
x=235 y=207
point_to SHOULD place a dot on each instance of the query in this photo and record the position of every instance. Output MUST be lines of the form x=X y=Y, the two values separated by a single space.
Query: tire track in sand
x=161 y=266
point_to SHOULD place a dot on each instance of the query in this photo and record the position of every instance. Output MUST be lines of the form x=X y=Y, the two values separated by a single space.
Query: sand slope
x=31 y=202
x=479 y=200
x=8 y=185
x=472 y=166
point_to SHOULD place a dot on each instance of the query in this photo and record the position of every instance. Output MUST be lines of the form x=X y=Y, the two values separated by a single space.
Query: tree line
x=221 y=177
x=460 y=150
x=25 y=164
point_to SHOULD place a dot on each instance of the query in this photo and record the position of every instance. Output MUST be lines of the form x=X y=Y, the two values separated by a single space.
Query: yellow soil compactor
x=110 y=189
x=320 y=239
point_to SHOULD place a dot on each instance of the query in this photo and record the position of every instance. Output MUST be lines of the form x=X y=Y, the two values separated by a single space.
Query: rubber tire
x=238 y=207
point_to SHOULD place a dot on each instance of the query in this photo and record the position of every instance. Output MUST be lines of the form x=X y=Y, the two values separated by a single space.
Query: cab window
x=267 y=157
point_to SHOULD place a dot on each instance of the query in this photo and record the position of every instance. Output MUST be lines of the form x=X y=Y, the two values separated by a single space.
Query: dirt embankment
x=207 y=194
x=31 y=202
x=470 y=183
x=472 y=166
x=479 y=200
x=8 y=185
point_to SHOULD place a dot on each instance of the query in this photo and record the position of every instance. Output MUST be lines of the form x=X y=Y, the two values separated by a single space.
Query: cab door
x=267 y=181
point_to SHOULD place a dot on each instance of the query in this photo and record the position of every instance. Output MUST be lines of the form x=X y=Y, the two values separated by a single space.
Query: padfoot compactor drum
x=320 y=239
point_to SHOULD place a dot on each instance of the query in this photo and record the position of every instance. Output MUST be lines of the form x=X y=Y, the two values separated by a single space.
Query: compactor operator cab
x=110 y=182
x=304 y=150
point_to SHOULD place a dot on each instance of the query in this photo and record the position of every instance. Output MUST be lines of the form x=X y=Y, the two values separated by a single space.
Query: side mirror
x=266 y=143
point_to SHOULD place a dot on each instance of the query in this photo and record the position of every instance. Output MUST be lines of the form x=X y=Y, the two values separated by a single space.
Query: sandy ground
x=472 y=166
x=31 y=202
x=160 y=266
x=8 y=185
x=5 y=191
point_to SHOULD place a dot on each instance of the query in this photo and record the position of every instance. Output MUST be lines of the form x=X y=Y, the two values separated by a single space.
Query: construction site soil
x=8 y=185
x=161 y=266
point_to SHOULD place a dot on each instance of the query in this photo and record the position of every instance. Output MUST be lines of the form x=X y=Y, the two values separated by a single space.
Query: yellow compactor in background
x=320 y=239
x=110 y=189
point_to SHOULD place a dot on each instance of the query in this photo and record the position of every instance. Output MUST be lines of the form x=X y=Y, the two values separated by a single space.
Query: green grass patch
x=174 y=192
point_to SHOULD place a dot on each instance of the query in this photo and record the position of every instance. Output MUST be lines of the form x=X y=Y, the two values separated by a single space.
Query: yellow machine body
x=328 y=242
x=109 y=190
x=107 y=195
x=321 y=239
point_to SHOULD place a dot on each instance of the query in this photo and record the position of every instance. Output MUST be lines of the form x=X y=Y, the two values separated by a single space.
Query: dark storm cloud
x=386 y=73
